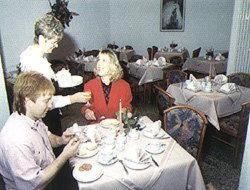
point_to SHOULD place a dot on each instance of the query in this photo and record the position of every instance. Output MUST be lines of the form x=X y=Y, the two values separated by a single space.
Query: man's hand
x=67 y=136
x=71 y=148
x=80 y=97
x=89 y=114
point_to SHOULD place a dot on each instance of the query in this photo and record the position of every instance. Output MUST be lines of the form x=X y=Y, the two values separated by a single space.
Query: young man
x=26 y=157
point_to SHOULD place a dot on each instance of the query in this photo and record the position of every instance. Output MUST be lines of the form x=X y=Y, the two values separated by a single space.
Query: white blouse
x=31 y=62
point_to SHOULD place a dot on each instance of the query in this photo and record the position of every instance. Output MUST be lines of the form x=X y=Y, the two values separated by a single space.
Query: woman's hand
x=80 y=97
x=89 y=114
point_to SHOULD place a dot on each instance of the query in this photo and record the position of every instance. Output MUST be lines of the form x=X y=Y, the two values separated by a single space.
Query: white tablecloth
x=147 y=74
x=214 y=104
x=178 y=170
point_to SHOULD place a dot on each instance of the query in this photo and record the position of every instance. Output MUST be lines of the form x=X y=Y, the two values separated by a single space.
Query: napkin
x=154 y=127
x=162 y=59
x=219 y=57
x=140 y=62
x=144 y=121
x=221 y=79
x=228 y=88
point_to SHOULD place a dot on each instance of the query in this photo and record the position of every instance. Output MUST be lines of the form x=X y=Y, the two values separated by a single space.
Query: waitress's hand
x=89 y=114
x=80 y=97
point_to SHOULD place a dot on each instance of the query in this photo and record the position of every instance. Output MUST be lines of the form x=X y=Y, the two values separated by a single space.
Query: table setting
x=214 y=97
x=109 y=157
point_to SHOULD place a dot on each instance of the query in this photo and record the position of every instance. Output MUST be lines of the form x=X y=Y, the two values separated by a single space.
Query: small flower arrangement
x=129 y=120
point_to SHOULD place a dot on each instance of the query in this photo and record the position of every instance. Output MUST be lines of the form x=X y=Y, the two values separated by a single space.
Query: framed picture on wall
x=172 y=15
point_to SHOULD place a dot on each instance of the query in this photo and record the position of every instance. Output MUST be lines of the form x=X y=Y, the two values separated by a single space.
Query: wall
x=207 y=23
x=90 y=29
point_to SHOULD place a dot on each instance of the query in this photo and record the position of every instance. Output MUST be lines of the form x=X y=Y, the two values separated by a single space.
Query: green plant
x=61 y=12
x=129 y=120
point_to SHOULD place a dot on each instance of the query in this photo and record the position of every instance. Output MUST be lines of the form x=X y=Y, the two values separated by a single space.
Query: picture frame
x=172 y=17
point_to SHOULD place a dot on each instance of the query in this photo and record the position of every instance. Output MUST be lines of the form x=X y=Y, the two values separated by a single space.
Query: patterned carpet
x=217 y=166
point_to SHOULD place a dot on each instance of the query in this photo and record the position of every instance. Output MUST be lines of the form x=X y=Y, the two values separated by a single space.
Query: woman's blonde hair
x=30 y=85
x=115 y=70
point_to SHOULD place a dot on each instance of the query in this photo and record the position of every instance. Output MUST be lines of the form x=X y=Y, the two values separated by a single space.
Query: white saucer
x=89 y=153
x=152 y=149
x=160 y=135
x=134 y=165
x=87 y=176
x=107 y=123
x=103 y=162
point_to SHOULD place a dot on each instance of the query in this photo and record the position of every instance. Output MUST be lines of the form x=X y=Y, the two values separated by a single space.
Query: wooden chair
x=177 y=61
x=187 y=126
x=128 y=47
x=196 y=52
x=233 y=130
x=91 y=52
x=134 y=58
x=149 y=50
x=175 y=76
x=164 y=100
x=112 y=46
x=137 y=91
x=240 y=78
x=154 y=50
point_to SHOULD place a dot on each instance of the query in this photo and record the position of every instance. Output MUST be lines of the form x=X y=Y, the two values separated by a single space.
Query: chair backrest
x=134 y=58
x=164 y=100
x=187 y=126
x=240 y=78
x=177 y=61
x=244 y=118
x=125 y=70
x=196 y=52
x=154 y=50
x=128 y=47
x=112 y=46
x=175 y=76
x=149 y=49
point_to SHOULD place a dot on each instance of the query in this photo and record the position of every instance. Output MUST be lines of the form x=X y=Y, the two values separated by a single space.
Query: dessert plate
x=86 y=172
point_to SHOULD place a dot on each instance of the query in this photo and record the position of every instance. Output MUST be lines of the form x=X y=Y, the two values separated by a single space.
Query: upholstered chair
x=233 y=131
x=164 y=100
x=187 y=126
x=175 y=76
x=240 y=78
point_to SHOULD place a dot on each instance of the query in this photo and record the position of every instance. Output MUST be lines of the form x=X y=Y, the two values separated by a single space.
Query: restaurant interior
x=200 y=67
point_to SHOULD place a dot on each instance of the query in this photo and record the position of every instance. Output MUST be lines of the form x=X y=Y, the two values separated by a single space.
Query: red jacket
x=120 y=89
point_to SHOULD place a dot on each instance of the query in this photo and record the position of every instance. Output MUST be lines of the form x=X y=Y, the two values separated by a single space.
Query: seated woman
x=107 y=89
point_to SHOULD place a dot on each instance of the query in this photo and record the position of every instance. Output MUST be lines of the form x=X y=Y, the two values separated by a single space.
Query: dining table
x=205 y=66
x=173 y=168
x=148 y=72
x=168 y=54
x=214 y=104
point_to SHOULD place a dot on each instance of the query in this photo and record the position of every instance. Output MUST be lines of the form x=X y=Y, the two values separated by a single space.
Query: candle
x=120 y=111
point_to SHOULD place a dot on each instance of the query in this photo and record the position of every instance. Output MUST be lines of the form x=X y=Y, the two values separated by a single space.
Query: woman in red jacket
x=107 y=89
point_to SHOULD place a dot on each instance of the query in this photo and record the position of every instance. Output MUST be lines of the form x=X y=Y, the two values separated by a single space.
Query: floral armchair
x=164 y=100
x=187 y=126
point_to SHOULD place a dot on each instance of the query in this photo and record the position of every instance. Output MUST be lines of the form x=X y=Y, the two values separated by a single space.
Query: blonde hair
x=115 y=70
x=30 y=85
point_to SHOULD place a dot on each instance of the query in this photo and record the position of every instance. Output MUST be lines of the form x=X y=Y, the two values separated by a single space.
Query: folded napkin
x=228 y=88
x=140 y=62
x=221 y=79
x=219 y=57
x=154 y=127
x=144 y=121
x=162 y=59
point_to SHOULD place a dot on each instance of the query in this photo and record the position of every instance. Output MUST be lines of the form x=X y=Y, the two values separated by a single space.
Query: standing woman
x=107 y=89
x=48 y=32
